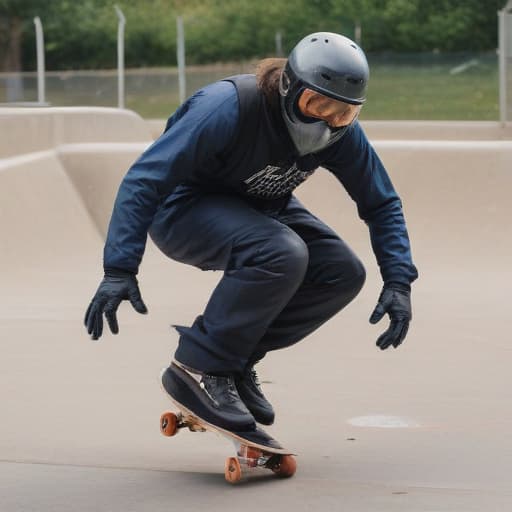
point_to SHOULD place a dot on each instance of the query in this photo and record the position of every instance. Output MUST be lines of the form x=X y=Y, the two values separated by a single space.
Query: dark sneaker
x=212 y=398
x=249 y=389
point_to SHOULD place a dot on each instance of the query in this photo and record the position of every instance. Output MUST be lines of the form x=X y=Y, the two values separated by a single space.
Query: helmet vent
x=314 y=39
x=355 y=81
x=325 y=76
x=354 y=46
x=326 y=40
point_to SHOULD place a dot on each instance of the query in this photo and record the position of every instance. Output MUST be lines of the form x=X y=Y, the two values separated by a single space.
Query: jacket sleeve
x=356 y=165
x=194 y=138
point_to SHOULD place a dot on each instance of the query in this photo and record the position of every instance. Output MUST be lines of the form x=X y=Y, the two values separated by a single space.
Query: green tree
x=83 y=34
x=15 y=15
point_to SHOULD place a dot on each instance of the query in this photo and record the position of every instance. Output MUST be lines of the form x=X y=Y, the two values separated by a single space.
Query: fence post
x=504 y=53
x=40 y=61
x=180 y=54
x=120 y=57
x=279 y=44
x=358 y=32
x=502 y=66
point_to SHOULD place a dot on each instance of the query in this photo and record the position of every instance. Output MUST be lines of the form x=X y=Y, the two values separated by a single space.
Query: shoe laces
x=211 y=385
x=254 y=377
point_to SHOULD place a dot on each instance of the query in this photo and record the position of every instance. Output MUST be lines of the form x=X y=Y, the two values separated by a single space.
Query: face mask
x=308 y=136
x=313 y=136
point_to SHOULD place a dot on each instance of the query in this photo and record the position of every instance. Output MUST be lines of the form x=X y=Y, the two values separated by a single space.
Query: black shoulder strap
x=249 y=99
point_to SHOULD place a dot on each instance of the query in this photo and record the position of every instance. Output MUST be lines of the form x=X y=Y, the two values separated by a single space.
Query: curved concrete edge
x=411 y=130
x=437 y=130
x=156 y=127
x=103 y=147
x=26 y=158
x=25 y=130
x=446 y=145
x=96 y=170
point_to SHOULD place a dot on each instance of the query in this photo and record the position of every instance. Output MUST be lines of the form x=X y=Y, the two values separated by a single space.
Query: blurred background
x=430 y=60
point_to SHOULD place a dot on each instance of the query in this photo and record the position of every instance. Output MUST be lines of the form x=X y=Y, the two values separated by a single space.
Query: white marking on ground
x=383 y=421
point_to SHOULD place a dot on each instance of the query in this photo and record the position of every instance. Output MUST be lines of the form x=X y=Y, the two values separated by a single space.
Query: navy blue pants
x=285 y=274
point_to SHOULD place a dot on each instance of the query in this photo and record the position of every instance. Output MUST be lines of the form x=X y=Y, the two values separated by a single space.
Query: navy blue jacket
x=227 y=139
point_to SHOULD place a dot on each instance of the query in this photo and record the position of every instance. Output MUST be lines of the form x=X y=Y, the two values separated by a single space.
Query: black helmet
x=330 y=64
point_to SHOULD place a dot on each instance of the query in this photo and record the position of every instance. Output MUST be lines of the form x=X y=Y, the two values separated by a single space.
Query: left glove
x=116 y=286
x=395 y=300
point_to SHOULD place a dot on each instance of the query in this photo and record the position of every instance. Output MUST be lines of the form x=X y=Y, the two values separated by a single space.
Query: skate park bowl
x=423 y=427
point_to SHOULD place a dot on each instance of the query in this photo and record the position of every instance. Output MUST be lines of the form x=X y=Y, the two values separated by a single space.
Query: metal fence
x=419 y=86
x=148 y=90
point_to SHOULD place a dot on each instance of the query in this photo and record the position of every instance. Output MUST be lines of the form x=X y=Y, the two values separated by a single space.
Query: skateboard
x=254 y=449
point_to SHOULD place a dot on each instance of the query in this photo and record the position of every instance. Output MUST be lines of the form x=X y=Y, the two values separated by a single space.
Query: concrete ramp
x=455 y=195
x=425 y=427
x=41 y=212
x=457 y=199
x=34 y=129
x=95 y=170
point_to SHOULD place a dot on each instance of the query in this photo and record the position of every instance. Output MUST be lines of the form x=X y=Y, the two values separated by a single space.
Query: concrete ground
x=422 y=428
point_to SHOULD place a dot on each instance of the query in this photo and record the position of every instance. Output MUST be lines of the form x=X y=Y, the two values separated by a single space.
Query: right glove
x=116 y=286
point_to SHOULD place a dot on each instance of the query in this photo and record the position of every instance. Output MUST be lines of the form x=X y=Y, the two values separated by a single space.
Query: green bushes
x=82 y=35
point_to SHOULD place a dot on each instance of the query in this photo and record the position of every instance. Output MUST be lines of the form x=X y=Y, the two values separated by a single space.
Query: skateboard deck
x=254 y=449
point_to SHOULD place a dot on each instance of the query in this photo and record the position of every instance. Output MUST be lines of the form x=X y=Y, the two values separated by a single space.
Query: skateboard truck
x=171 y=423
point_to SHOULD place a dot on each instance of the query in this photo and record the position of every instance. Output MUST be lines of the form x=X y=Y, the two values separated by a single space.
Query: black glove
x=117 y=285
x=395 y=299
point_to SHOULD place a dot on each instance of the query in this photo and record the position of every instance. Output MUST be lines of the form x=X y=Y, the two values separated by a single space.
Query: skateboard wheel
x=286 y=466
x=169 y=424
x=233 y=470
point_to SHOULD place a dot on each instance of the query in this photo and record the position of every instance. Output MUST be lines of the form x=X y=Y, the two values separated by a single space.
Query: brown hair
x=268 y=74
